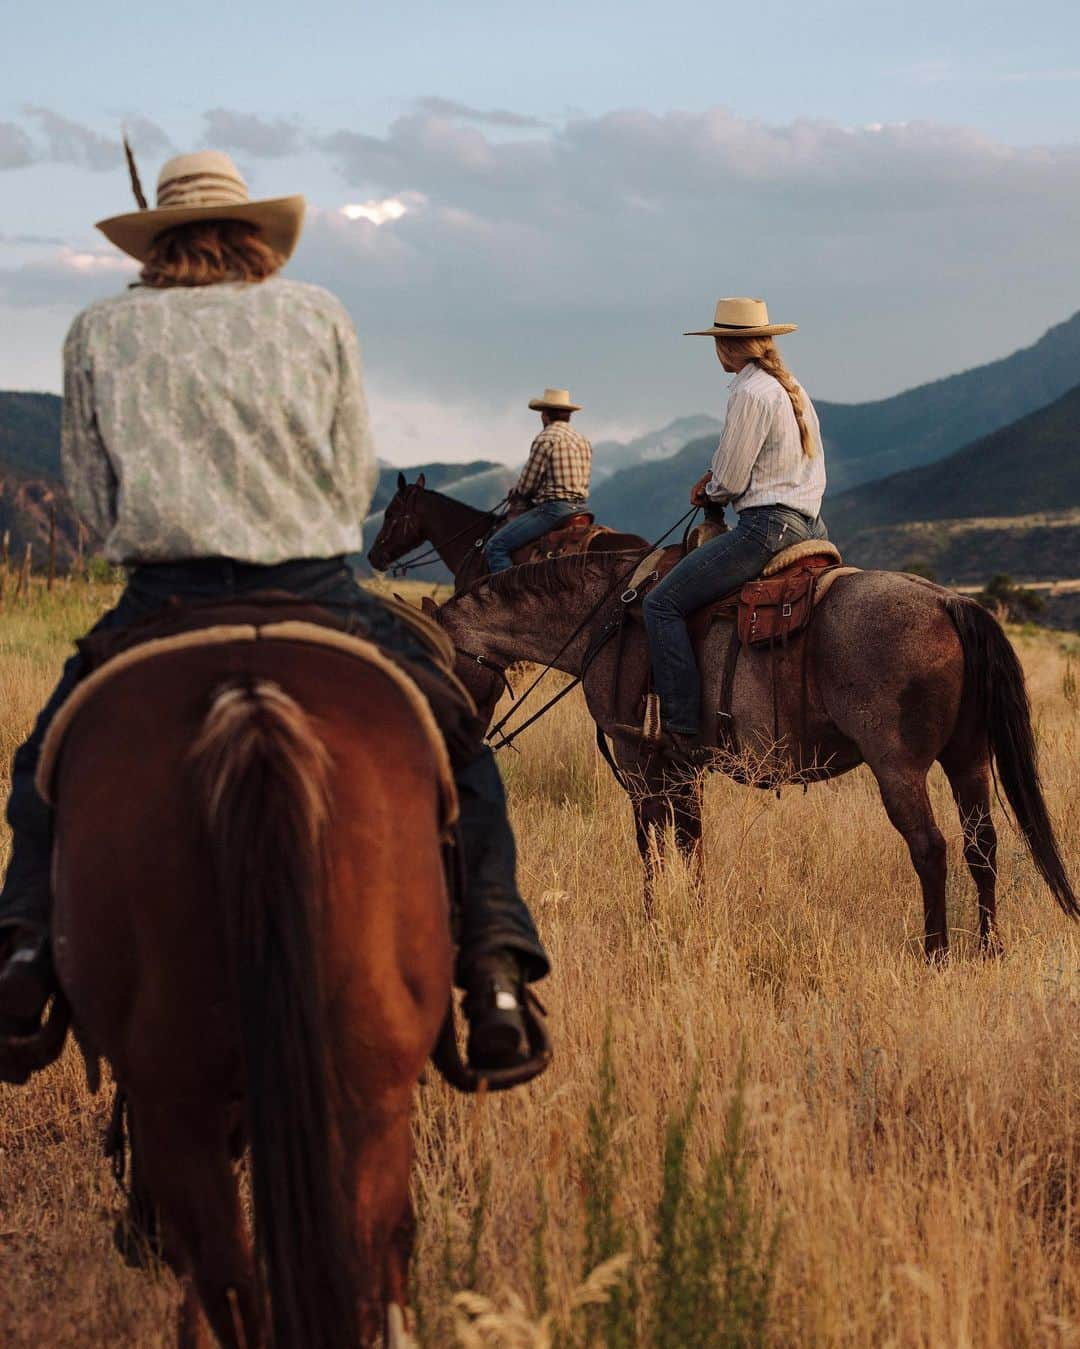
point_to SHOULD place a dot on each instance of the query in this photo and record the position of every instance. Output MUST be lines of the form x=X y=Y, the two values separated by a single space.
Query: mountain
x=438 y=476
x=1032 y=465
x=30 y=433
x=612 y=456
x=865 y=441
x=649 y=497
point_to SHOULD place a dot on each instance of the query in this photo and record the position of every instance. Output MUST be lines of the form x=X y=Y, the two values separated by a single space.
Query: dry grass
x=916 y=1132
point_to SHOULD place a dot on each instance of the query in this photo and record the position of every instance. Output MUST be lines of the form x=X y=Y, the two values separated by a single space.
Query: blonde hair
x=764 y=352
x=203 y=252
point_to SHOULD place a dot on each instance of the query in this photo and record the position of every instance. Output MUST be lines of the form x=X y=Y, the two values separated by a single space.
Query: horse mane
x=547 y=578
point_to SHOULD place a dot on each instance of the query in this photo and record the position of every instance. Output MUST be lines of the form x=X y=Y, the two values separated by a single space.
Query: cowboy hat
x=204 y=186
x=741 y=317
x=554 y=400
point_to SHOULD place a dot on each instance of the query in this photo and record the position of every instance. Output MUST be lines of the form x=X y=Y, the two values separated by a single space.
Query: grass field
x=896 y=1163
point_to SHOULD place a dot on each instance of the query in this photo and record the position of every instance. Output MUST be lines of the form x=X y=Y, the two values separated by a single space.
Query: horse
x=900 y=673
x=456 y=532
x=249 y=933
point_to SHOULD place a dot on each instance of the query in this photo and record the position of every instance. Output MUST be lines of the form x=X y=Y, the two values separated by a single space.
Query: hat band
x=195 y=189
x=739 y=326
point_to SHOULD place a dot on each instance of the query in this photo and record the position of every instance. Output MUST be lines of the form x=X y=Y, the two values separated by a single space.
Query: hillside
x=615 y=456
x=30 y=433
x=865 y=441
x=1032 y=465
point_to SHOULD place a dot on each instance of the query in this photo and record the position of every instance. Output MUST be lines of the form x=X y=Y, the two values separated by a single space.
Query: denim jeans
x=493 y=917
x=702 y=576
x=525 y=528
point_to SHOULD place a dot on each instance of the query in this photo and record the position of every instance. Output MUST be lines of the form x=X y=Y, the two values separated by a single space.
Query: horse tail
x=994 y=679
x=263 y=782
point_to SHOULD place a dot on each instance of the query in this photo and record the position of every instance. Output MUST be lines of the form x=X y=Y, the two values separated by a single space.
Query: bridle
x=433 y=551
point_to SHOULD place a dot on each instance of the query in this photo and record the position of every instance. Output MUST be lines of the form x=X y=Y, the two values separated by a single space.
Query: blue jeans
x=525 y=528
x=710 y=571
x=493 y=914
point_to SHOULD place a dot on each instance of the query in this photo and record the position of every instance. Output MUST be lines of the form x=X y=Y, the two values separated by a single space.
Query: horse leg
x=187 y=1170
x=907 y=803
x=970 y=783
x=686 y=810
x=378 y=1157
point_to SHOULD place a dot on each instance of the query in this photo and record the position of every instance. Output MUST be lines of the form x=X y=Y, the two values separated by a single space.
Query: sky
x=511 y=196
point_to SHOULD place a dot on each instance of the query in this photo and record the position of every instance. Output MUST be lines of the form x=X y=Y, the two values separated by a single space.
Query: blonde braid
x=764 y=352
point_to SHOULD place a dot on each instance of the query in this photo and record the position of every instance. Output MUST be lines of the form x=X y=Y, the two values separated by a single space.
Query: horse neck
x=537 y=627
x=451 y=527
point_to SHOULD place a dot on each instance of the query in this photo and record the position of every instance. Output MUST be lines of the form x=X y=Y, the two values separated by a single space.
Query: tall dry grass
x=911 y=1135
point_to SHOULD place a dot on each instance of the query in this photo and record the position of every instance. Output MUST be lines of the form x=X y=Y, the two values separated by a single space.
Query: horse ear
x=421 y=482
x=428 y=605
x=401 y=483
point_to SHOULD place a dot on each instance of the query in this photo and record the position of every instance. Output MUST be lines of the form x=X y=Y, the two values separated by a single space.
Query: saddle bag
x=773 y=609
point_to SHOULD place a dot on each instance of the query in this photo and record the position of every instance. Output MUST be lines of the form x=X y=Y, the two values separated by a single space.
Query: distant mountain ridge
x=30 y=433
x=866 y=441
x=1032 y=465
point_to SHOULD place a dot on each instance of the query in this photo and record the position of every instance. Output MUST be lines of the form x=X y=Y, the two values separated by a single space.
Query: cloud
x=249 y=134
x=574 y=256
x=69 y=279
x=16 y=148
x=64 y=141
x=70 y=142
x=461 y=112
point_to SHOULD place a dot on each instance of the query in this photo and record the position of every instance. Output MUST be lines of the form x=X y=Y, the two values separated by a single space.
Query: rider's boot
x=687 y=748
x=494 y=1007
x=26 y=976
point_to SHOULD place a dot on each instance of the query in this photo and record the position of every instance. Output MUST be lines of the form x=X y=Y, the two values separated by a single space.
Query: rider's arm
x=357 y=471
x=532 y=475
x=87 y=469
x=745 y=427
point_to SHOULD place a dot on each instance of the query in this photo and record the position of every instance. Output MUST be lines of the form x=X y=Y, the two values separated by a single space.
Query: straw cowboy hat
x=554 y=400
x=202 y=186
x=741 y=317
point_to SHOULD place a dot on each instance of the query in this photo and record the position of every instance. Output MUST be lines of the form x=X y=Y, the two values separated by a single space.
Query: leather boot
x=493 y=1006
x=26 y=979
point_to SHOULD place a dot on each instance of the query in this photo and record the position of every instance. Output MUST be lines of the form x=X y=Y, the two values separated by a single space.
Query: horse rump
x=263 y=782
x=994 y=680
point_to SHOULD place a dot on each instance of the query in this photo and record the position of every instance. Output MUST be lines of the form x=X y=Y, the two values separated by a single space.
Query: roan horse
x=900 y=673
x=455 y=531
x=248 y=932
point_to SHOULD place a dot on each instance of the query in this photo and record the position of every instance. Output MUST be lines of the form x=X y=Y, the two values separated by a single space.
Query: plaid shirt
x=559 y=466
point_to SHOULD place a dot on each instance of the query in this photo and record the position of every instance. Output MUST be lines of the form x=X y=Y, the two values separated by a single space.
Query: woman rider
x=770 y=467
x=216 y=436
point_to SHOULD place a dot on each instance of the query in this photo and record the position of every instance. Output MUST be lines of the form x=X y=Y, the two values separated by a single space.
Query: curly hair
x=206 y=251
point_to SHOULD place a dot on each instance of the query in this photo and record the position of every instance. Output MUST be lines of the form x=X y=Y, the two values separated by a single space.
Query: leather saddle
x=771 y=608
x=768 y=611
x=573 y=535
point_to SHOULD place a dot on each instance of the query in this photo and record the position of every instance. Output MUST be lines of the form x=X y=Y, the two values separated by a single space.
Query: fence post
x=51 y=576
x=23 y=588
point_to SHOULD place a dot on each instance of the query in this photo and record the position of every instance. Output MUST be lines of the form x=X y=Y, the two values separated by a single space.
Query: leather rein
x=433 y=553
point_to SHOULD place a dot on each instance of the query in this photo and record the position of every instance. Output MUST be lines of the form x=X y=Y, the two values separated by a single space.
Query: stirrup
x=22 y=1055
x=462 y=1076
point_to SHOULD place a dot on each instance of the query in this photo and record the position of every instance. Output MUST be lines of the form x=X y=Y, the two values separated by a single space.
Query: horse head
x=402 y=527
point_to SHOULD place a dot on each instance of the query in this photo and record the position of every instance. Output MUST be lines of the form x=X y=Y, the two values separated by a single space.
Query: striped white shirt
x=760 y=459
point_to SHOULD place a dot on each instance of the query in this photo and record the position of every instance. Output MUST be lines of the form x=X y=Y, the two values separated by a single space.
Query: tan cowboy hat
x=554 y=400
x=741 y=317
x=204 y=186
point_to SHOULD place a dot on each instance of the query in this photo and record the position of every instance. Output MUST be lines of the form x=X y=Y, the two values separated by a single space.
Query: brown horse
x=248 y=931
x=900 y=673
x=456 y=532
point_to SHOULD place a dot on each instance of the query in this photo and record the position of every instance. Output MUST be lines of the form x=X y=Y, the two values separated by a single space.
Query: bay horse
x=456 y=532
x=900 y=673
x=249 y=932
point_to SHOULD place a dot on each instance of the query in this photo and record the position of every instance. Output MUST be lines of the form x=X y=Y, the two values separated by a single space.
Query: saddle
x=572 y=536
x=768 y=612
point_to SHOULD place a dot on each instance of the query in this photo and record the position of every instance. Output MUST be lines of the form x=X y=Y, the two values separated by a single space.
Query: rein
x=595 y=646
x=433 y=554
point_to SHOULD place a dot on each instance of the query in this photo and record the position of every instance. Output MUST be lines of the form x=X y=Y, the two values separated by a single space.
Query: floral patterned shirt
x=218 y=421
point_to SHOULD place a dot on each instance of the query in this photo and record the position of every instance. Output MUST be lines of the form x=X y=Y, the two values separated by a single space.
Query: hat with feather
x=202 y=186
